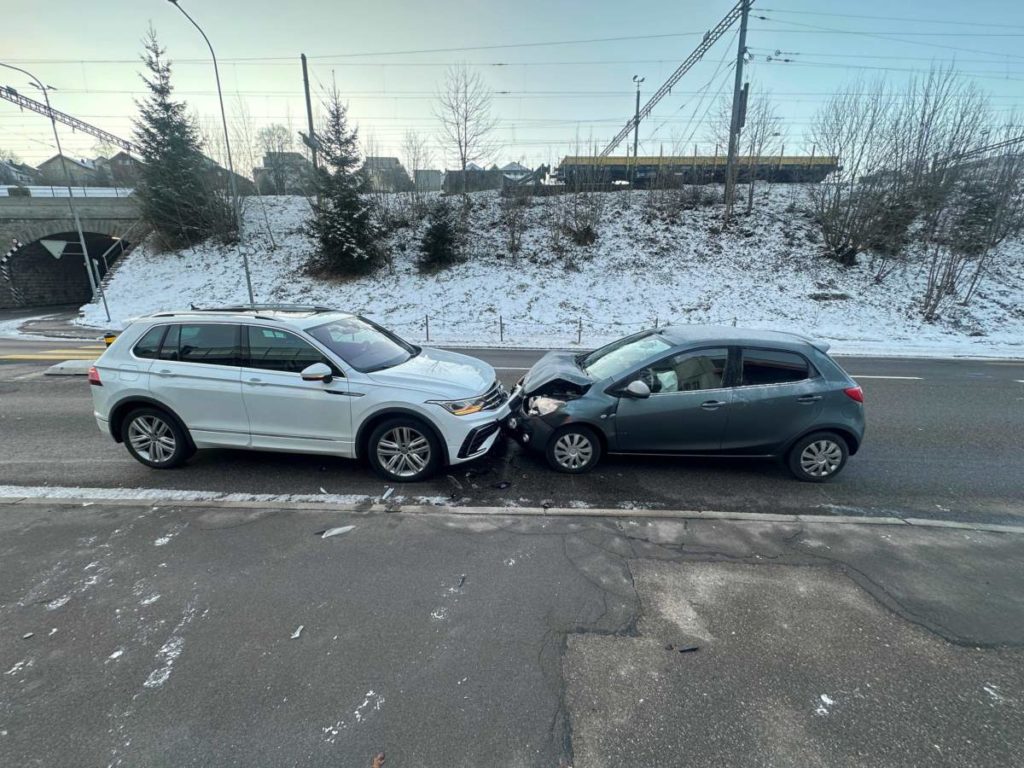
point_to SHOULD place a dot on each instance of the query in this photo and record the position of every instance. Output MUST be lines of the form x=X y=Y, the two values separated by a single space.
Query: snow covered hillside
x=765 y=272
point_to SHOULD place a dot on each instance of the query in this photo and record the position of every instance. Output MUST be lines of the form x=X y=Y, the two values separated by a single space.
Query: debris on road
x=28 y=635
x=327 y=532
x=502 y=485
x=378 y=760
x=387 y=494
x=322 y=490
x=298 y=631
x=682 y=648
x=462 y=580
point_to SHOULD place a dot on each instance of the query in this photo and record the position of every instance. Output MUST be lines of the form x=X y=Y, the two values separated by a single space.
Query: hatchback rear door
x=778 y=396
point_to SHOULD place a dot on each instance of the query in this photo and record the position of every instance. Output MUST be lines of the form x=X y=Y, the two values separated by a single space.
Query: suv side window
x=772 y=366
x=276 y=350
x=148 y=347
x=685 y=372
x=169 y=349
x=213 y=344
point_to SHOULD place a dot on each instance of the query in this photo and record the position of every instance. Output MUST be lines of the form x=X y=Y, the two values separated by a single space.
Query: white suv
x=299 y=379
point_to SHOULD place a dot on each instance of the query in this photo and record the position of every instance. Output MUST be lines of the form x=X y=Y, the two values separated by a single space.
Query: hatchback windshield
x=618 y=357
x=363 y=345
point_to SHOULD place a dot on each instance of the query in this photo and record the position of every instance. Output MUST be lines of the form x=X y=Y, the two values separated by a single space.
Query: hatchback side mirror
x=638 y=389
x=317 y=372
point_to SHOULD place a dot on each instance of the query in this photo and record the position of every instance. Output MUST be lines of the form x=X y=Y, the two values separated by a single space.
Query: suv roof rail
x=264 y=308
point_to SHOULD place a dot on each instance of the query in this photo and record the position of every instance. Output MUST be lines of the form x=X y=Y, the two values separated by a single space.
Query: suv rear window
x=771 y=366
x=148 y=347
x=213 y=344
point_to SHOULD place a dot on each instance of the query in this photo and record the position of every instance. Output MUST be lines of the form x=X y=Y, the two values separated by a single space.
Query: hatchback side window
x=213 y=344
x=686 y=372
x=771 y=366
x=275 y=350
x=148 y=347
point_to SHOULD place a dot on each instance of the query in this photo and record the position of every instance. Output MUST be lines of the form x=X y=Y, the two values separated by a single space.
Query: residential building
x=385 y=174
x=83 y=173
x=284 y=173
x=428 y=180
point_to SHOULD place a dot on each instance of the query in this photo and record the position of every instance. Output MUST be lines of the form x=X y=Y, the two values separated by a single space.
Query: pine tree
x=343 y=223
x=174 y=192
x=440 y=245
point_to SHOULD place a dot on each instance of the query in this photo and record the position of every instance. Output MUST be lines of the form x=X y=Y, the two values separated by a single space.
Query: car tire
x=404 y=450
x=573 y=449
x=818 y=457
x=155 y=438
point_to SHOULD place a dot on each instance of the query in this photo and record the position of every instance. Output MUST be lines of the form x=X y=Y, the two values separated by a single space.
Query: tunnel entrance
x=51 y=270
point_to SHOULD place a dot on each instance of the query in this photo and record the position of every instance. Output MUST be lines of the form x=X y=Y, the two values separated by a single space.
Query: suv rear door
x=287 y=413
x=778 y=395
x=197 y=375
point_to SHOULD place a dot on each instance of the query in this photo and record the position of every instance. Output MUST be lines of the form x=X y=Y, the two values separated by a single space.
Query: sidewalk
x=496 y=640
x=46 y=322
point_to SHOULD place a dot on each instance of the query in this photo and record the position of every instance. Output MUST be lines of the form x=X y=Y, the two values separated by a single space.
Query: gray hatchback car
x=693 y=390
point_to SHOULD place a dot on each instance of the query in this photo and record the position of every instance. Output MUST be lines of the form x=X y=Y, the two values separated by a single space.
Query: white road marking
x=1019 y=381
x=897 y=378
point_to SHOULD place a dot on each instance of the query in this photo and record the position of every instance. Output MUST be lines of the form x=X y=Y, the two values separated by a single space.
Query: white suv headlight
x=462 y=407
x=542 y=406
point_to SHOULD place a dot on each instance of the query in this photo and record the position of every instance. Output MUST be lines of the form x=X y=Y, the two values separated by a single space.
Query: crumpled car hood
x=556 y=369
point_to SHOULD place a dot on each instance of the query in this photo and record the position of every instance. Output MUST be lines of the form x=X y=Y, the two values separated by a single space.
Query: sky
x=561 y=73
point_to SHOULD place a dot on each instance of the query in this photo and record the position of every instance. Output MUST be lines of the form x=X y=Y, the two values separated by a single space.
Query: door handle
x=256 y=382
x=712 y=405
x=807 y=399
x=165 y=373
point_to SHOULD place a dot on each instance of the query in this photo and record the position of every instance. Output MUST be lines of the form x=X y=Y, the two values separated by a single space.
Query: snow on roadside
x=762 y=273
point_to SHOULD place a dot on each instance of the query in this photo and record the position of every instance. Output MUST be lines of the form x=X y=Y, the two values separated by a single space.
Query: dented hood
x=554 y=368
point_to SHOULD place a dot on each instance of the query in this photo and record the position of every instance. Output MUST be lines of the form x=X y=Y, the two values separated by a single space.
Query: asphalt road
x=943 y=441
x=160 y=636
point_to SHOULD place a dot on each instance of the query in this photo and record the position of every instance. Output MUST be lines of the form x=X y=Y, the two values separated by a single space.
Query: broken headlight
x=462 y=407
x=542 y=406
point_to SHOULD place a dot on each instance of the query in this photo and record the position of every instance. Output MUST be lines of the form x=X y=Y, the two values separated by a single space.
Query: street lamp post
x=93 y=283
x=227 y=147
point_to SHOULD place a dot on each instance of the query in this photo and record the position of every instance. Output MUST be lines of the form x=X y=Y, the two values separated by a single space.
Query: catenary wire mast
x=739 y=110
x=11 y=95
x=710 y=38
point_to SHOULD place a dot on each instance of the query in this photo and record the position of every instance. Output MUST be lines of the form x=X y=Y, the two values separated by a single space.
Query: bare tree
x=417 y=156
x=272 y=141
x=514 y=203
x=242 y=138
x=761 y=136
x=464 y=109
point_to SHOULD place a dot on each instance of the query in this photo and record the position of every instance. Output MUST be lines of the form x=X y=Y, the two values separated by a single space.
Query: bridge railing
x=54 y=191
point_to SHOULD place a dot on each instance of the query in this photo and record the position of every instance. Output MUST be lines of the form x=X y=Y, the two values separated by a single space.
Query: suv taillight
x=855 y=393
x=94 y=377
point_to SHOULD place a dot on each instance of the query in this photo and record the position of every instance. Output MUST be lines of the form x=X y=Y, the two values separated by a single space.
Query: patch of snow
x=116 y=654
x=19 y=666
x=58 y=602
x=162 y=541
x=825 y=702
x=149 y=599
x=760 y=273
x=170 y=651
x=439 y=614
x=297 y=632
x=171 y=495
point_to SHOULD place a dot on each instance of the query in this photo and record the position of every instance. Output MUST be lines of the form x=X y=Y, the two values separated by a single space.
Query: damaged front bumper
x=529 y=431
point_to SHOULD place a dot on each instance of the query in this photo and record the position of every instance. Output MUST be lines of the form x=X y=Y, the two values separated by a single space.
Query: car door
x=776 y=398
x=686 y=410
x=197 y=374
x=285 y=412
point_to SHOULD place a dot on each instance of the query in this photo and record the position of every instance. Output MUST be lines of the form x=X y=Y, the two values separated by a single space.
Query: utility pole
x=636 y=129
x=737 y=114
x=309 y=113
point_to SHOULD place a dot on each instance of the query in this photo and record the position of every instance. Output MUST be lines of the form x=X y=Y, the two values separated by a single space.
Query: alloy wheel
x=821 y=458
x=573 y=450
x=152 y=438
x=403 y=451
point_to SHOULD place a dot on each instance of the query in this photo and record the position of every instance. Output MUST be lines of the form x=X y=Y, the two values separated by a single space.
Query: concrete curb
x=70 y=368
x=371 y=506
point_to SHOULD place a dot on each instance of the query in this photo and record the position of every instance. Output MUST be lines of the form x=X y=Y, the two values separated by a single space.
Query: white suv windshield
x=618 y=357
x=363 y=345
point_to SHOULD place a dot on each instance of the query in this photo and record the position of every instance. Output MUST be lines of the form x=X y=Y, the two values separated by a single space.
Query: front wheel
x=818 y=457
x=404 y=450
x=574 y=449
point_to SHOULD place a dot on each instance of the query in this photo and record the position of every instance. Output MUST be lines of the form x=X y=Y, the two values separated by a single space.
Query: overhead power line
x=914 y=19
x=710 y=38
x=11 y=95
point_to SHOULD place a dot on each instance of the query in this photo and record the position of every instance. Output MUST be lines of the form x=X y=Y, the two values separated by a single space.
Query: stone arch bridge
x=31 y=229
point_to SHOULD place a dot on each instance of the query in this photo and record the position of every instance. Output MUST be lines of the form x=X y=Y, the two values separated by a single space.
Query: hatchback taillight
x=855 y=393
x=94 y=377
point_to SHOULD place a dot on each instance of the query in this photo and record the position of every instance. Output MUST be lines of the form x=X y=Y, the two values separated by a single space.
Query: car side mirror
x=317 y=372
x=638 y=389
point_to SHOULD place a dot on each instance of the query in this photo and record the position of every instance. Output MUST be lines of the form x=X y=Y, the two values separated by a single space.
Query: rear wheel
x=404 y=450
x=818 y=457
x=574 y=449
x=155 y=439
